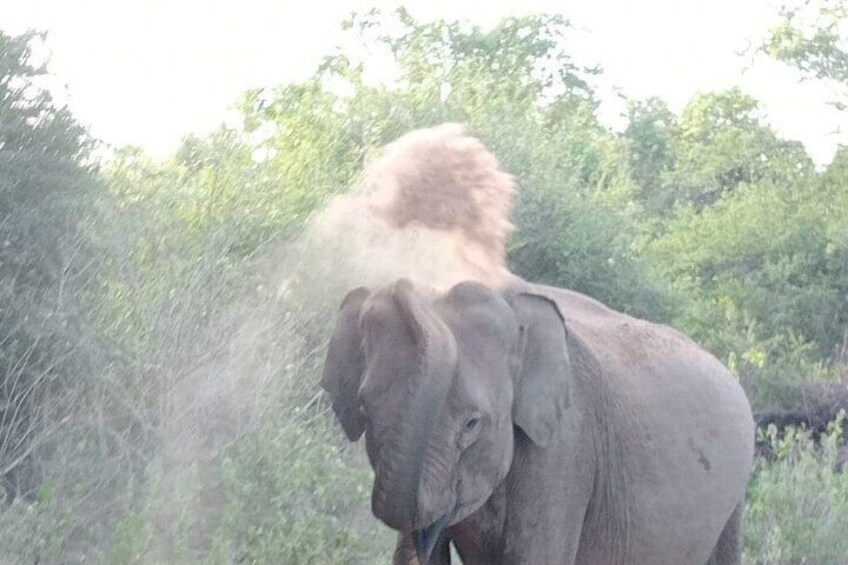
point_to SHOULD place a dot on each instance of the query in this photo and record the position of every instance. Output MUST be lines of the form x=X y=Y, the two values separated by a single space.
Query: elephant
x=527 y=424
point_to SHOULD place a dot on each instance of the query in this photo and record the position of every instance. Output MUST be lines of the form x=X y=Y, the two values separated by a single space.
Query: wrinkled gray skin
x=536 y=426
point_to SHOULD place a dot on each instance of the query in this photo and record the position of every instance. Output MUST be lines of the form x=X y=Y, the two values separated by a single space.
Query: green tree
x=812 y=38
x=45 y=262
x=765 y=269
x=651 y=133
x=722 y=144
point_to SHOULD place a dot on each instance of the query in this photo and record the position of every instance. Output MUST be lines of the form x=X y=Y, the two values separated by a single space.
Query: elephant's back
x=603 y=327
x=638 y=353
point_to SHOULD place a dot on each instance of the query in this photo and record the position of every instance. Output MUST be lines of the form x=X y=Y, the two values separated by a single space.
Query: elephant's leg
x=728 y=549
x=405 y=552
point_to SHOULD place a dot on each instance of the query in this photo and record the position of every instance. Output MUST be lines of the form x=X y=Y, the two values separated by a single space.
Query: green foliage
x=721 y=145
x=811 y=37
x=576 y=225
x=754 y=247
x=765 y=268
x=45 y=259
x=650 y=133
x=766 y=248
x=295 y=498
x=797 y=508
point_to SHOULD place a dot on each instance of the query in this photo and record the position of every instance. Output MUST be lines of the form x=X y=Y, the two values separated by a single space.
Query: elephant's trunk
x=402 y=460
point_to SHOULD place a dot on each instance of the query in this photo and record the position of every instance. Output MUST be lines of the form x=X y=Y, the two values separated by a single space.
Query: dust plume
x=433 y=206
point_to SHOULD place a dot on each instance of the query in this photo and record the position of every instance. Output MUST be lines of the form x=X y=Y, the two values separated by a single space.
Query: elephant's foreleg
x=405 y=552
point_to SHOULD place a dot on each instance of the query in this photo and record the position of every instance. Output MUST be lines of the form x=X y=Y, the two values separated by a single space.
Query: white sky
x=148 y=72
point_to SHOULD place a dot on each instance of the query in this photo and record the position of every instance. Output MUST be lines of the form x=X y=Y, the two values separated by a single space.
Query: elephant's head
x=439 y=384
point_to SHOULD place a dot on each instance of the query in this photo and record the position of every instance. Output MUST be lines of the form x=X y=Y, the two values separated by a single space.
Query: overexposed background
x=148 y=72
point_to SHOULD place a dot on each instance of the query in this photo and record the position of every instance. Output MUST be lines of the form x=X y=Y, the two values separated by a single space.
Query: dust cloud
x=433 y=207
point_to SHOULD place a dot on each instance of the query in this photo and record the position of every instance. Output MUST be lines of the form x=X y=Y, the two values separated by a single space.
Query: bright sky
x=148 y=72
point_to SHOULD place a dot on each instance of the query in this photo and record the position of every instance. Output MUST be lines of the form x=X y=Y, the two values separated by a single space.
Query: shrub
x=797 y=511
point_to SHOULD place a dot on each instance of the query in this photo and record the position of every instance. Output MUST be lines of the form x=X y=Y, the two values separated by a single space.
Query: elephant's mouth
x=425 y=539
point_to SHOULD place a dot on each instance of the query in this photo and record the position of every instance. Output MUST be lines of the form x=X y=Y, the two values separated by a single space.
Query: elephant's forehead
x=391 y=359
x=380 y=312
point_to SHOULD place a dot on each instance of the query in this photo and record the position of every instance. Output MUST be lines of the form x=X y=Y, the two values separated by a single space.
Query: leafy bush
x=295 y=497
x=797 y=511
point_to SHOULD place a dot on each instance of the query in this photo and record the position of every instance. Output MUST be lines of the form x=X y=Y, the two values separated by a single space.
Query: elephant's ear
x=345 y=364
x=543 y=370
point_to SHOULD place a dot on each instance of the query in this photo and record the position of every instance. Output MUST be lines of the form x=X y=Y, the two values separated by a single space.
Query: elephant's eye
x=470 y=430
